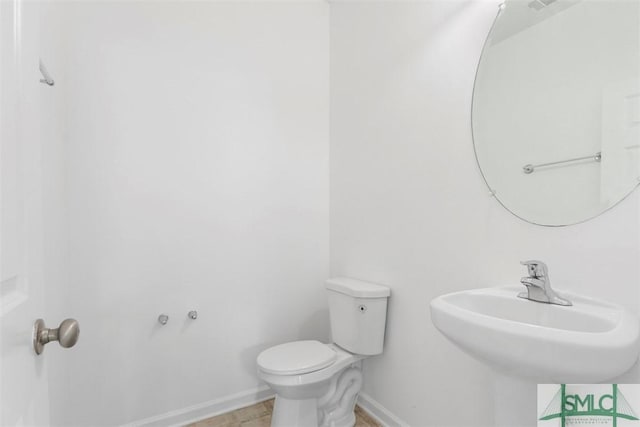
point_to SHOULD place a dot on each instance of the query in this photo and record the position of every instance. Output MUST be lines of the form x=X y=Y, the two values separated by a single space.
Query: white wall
x=196 y=176
x=409 y=208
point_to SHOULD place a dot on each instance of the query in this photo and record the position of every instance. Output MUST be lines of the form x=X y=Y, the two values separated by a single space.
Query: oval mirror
x=556 y=107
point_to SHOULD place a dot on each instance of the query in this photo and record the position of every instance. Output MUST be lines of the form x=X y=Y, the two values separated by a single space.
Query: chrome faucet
x=539 y=286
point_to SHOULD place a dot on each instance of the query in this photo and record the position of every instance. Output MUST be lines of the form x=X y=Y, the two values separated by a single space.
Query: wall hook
x=47 y=77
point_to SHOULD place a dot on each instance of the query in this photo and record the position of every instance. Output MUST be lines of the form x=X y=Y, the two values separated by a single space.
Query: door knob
x=66 y=334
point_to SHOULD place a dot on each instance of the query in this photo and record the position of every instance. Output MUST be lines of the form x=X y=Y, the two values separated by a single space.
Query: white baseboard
x=181 y=417
x=190 y=414
x=378 y=412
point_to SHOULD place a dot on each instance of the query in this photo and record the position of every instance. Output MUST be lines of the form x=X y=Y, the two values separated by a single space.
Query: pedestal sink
x=527 y=342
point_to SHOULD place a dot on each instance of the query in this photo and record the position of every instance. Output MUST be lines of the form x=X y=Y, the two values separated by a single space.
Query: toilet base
x=289 y=412
x=334 y=409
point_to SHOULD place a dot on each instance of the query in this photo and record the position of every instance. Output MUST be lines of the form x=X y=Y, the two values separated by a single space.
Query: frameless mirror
x=556 y=107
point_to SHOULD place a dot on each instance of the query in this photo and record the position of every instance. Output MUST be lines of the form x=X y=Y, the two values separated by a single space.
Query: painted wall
x=409 y=207
x=196 y=177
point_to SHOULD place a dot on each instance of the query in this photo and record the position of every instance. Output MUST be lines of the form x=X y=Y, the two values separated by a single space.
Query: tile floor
x=259 y=415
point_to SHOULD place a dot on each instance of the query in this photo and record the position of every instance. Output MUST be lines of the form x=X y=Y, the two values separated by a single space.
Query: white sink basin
x=589 y=342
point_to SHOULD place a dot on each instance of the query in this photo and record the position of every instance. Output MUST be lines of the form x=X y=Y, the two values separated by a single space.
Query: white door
x=23 y=384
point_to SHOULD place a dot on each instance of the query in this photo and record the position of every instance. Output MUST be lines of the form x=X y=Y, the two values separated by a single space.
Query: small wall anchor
x=193 y=314
x=163 y=319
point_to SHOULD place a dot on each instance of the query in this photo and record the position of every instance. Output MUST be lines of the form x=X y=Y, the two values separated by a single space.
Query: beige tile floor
x=259 y=415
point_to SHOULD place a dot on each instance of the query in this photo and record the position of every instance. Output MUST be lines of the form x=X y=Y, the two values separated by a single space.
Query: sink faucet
x=539 y=286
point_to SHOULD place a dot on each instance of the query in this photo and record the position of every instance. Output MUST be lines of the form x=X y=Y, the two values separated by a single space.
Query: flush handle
x=66 y=334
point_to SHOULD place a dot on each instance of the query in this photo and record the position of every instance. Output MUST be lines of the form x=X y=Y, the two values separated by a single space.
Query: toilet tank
x=358 y=312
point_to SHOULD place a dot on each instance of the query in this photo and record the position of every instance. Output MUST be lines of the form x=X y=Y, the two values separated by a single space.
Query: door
x=23 y=383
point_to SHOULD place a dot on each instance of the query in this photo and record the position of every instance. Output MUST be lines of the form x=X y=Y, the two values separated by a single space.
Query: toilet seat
x=296 y=358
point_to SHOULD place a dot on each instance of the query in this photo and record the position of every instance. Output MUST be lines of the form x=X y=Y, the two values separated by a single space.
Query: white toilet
x=317 y=384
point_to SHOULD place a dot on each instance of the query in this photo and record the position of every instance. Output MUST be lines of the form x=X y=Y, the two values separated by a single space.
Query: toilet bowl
x=317 y=384
x=322 y=390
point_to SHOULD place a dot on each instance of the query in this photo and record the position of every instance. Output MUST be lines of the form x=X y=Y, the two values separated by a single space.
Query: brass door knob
x=66 y=334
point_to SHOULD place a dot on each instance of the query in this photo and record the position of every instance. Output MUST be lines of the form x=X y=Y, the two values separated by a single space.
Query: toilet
x=317 y=384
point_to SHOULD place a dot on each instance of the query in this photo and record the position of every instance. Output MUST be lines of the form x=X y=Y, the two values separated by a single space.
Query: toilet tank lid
x=357 y=288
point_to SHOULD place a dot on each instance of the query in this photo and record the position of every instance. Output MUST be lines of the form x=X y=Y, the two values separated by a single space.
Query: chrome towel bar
x=531 y=168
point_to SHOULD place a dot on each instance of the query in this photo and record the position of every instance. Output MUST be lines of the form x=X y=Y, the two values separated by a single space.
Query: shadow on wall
x=317 y=327
x=434 y=35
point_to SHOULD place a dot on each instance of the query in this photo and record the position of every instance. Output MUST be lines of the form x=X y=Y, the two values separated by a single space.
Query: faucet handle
x=536 y=268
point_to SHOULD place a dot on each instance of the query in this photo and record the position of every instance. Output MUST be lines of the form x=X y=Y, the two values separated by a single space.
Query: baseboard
x=378 y=412
x=190 y=414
